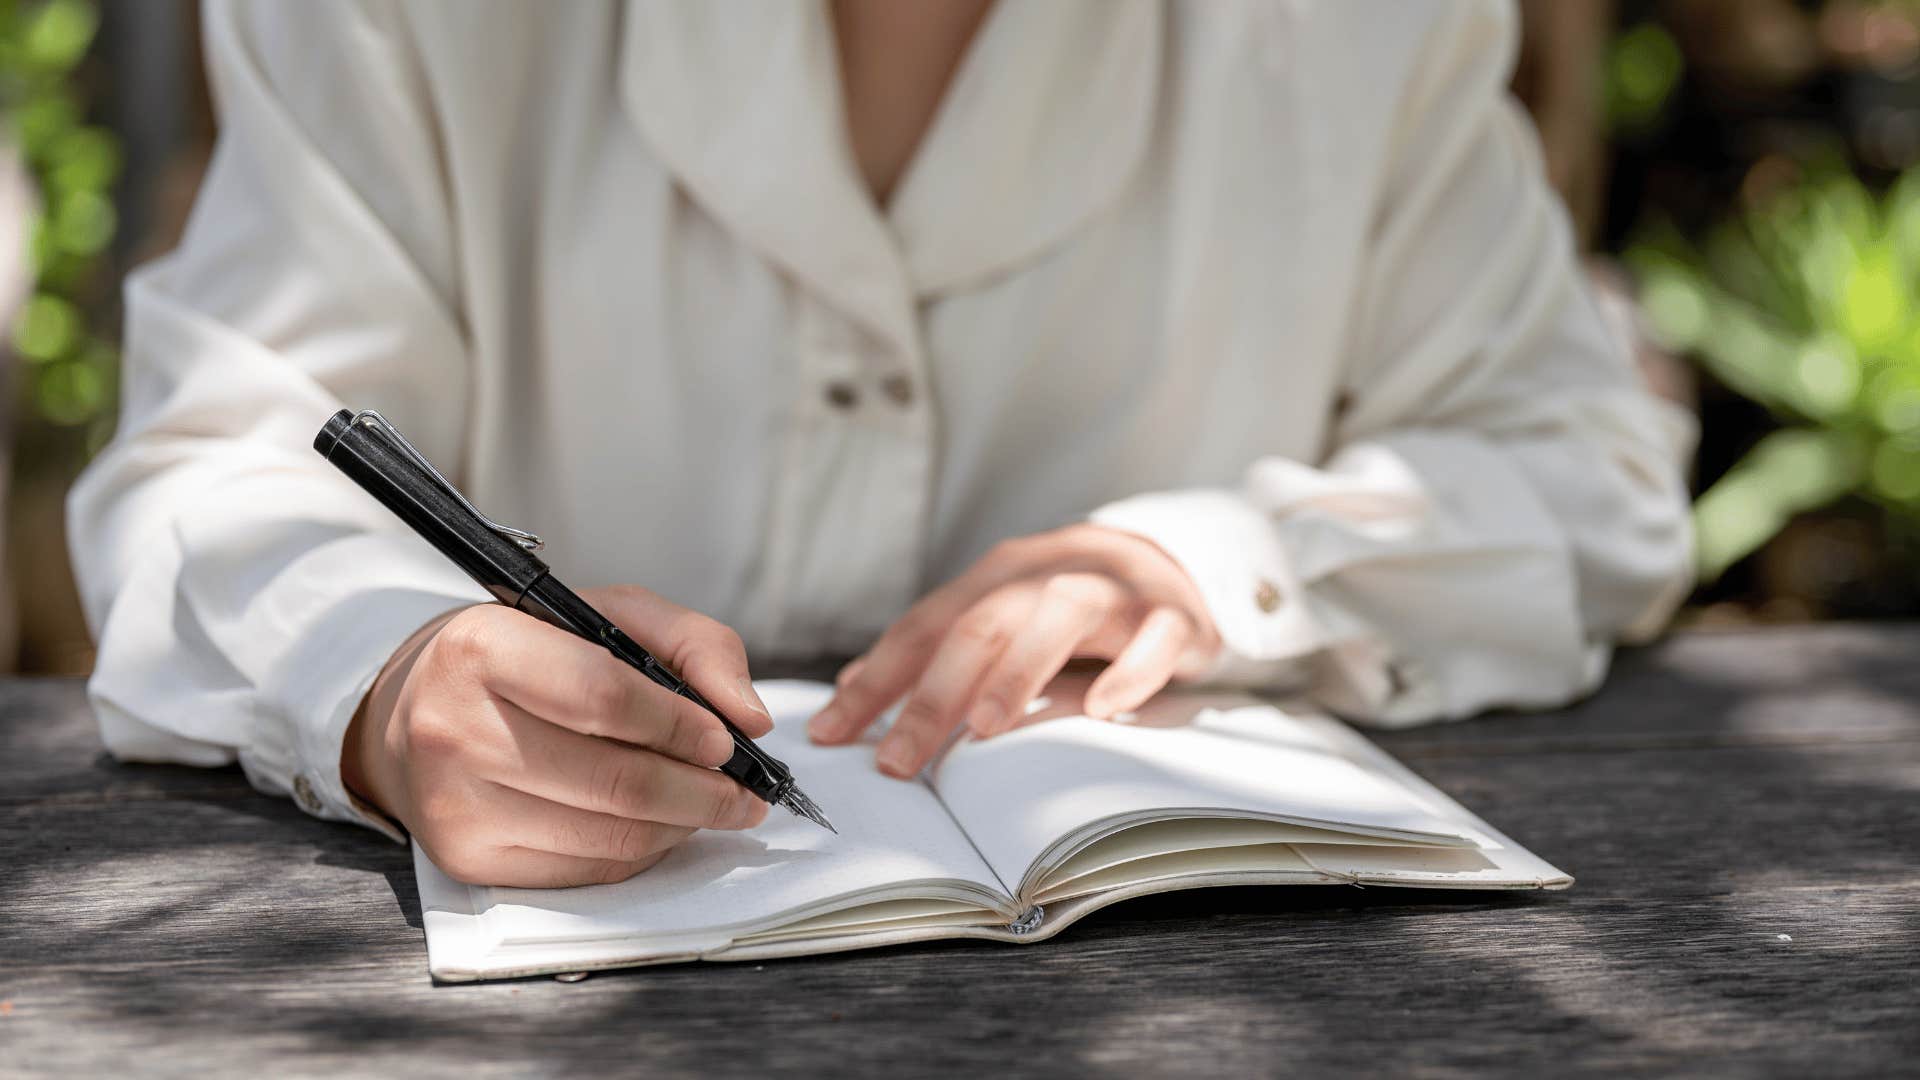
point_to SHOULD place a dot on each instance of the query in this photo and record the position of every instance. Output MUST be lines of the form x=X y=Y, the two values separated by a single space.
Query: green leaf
x=43 y=119
x=84 y=159
x=58 y=33
x=1874 y=303
x=1895 y=471
x=70 y=392
x=47 y=328
x=84 y=222
x=1827 y=374
x=1787 y=473
x=1643 y=68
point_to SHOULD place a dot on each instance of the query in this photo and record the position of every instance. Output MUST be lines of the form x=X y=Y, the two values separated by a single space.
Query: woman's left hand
x=980 y=648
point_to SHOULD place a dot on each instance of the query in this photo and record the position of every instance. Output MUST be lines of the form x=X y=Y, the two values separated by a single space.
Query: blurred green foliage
x=1643 y=69
x=74 y=165
x=1808 y=302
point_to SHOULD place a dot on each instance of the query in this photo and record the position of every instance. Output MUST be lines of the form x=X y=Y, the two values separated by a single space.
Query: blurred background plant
x=73 y=359
x=1767 y=201
x=1802 y=303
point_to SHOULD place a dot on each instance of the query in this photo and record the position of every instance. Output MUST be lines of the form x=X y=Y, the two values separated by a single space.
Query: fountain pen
x=373 y=453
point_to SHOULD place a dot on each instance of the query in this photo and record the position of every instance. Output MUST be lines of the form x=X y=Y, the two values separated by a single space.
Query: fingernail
x=715 y=748
x=825 y=725
x=751 y=698
x=896 y=757
x=983 y=719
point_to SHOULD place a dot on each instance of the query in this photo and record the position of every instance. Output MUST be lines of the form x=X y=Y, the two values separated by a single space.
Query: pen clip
x=372 y=419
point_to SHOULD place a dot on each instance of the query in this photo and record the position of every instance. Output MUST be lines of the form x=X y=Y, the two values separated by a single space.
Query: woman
x=1239 y=343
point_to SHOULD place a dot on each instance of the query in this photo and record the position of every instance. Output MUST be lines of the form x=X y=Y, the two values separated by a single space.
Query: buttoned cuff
x=314 y=640
x=327 y=674
x=1236 y=557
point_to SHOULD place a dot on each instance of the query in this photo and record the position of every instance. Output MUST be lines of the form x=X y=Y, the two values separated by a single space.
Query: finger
x=1144 y=667
x=529 y=821
x=527 y=868
x=707 y=653
x=939 y=699
x=579 y=685
x=871 y=684
x=607 y=777
x=1072 y=608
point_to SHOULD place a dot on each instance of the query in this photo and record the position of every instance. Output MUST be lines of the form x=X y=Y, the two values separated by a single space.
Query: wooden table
x=1742 y=811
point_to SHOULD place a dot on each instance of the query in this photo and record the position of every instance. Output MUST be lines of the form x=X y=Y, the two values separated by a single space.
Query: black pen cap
x=374 y=456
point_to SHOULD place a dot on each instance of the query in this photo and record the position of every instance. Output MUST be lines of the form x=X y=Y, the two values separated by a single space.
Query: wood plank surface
x=1740 y=810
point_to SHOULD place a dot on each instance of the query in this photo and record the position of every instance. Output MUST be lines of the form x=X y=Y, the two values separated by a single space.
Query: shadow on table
x=1691 y=867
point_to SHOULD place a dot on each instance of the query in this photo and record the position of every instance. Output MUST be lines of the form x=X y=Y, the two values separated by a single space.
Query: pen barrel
x=501 y=566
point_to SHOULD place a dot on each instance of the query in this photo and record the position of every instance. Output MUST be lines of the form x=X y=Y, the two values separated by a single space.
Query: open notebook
x=1009 y=839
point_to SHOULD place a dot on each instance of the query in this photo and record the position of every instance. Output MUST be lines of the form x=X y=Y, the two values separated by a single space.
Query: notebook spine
x=1029 y=920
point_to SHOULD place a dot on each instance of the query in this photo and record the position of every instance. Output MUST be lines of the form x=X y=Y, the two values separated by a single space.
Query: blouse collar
x=1043 y=126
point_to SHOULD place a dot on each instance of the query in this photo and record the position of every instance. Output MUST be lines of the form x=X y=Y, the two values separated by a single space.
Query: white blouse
x=1275 y=284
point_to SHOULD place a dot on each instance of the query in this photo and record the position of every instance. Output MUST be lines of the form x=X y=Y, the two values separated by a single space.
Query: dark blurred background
x=1746 y=173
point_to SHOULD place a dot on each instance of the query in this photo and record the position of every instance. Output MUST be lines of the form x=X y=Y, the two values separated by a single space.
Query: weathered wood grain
x=1724 y=791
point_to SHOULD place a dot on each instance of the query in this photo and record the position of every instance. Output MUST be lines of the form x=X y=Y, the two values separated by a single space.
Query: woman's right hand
x=519 y=754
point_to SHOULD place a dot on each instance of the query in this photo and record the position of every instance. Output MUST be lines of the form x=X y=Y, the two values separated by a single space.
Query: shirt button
x=304 y=795
x=1266 y=596
x=898 y=388
x=842 y=395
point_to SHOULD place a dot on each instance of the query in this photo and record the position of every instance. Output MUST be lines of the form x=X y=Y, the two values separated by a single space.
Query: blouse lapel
x=1045 y=124
x=742 y=103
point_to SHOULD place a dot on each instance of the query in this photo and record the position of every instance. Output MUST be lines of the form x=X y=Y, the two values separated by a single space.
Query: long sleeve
x=244 y=594
x=1502 y=499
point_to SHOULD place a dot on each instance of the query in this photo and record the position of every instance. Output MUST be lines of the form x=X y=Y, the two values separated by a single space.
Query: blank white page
x=1018 y=794
x=891 y=832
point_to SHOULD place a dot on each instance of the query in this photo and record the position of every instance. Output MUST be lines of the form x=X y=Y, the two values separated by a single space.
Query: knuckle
x=613 y=872
x=720 y=799
x=440 y=814
x=630 y=839
x=606 y=696
x=469 y=637
x=684 y=727
x=433 y=735
x=981 y=627
x=574 y=833
x=610 y=783
x=1081 y=592
x=463 y=860
x=914 y=636
x=861 y=686
x=920 y=713
x=724 y=638
x=996 y=696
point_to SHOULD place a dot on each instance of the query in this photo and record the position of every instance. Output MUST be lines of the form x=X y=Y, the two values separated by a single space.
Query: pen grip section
x=546 y=599
x=760 y=772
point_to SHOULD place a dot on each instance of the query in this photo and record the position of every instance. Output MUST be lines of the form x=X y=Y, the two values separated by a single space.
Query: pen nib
x=797 y=802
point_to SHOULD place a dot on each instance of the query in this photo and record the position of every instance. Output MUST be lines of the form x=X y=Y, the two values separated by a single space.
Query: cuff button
x=1266 y=596
x=304 y=796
